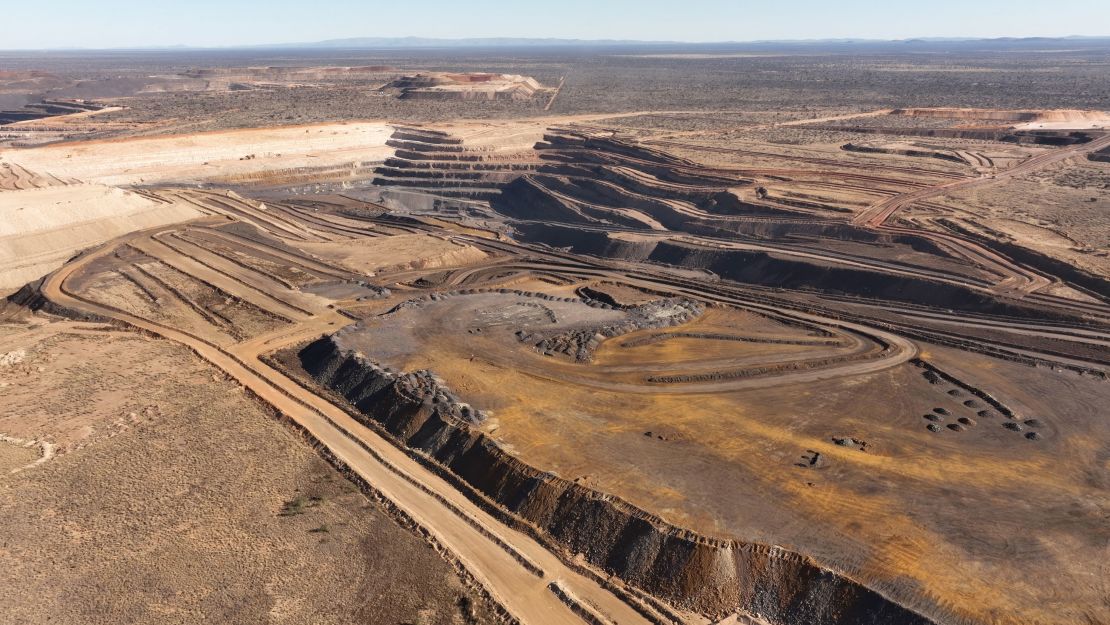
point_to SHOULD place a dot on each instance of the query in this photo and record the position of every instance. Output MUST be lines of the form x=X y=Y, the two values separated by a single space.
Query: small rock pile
x=425 y=386
x=580 y=344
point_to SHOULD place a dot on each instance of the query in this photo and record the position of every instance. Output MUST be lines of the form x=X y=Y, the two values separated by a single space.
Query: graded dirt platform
x=661 y=366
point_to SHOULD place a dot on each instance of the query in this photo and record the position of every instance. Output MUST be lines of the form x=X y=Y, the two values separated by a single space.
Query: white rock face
x=41 y=228
x=13 y=358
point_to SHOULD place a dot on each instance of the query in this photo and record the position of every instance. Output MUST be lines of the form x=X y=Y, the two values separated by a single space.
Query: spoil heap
x=470 y=86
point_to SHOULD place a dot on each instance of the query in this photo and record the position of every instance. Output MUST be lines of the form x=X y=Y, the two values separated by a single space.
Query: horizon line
x=446 y=42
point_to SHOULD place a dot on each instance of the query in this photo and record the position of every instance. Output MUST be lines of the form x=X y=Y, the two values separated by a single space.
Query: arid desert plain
x=801 y=336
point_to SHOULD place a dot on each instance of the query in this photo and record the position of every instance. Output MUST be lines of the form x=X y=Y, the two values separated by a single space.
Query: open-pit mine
x=535 y=365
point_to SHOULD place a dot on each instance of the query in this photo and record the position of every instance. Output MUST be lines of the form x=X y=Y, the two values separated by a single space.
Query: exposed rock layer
x=773 y=270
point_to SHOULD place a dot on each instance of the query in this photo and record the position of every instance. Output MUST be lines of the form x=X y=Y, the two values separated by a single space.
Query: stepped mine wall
x=711 y=576
x=801 y=230
x=602 y=145
x=524 y=198
x=765 y=269
x=591 y=242
x=530 y=201
x=1021 y=137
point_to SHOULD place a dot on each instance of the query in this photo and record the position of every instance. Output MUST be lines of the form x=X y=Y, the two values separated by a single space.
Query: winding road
x=529 y=581
x=1020 y=280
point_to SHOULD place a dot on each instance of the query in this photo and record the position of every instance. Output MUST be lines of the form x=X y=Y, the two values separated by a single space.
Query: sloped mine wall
x=707 y=575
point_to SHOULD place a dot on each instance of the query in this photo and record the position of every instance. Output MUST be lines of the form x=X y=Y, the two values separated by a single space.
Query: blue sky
x=127 y=23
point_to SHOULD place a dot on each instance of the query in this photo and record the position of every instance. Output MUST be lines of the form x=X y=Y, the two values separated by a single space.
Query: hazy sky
x=126 y=23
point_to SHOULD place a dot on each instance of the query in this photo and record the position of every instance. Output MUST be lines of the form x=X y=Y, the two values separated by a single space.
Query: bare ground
x=203 y=507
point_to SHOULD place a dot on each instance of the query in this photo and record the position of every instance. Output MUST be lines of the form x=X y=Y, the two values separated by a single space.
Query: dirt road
x=1019 y=280
x=878 y=214
x=520 y=573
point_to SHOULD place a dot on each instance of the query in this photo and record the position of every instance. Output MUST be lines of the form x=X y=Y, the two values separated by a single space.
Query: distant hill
x=523 y=42
x=929 y=44
x=480 y=42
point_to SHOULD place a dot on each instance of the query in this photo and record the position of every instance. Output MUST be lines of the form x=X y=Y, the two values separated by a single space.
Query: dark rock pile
x=581 y=343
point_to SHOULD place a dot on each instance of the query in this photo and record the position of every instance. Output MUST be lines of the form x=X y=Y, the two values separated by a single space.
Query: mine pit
x=616 y=364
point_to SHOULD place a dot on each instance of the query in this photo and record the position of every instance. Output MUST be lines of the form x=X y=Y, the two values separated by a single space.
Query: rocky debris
x=424 y=386
x=580 y=344
x=811 y=460
x=13 y=358
x=666 y=437
x=376 y=292
x=984 y=404
x=377 y=384
x=851 y=443
x=591 y=294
